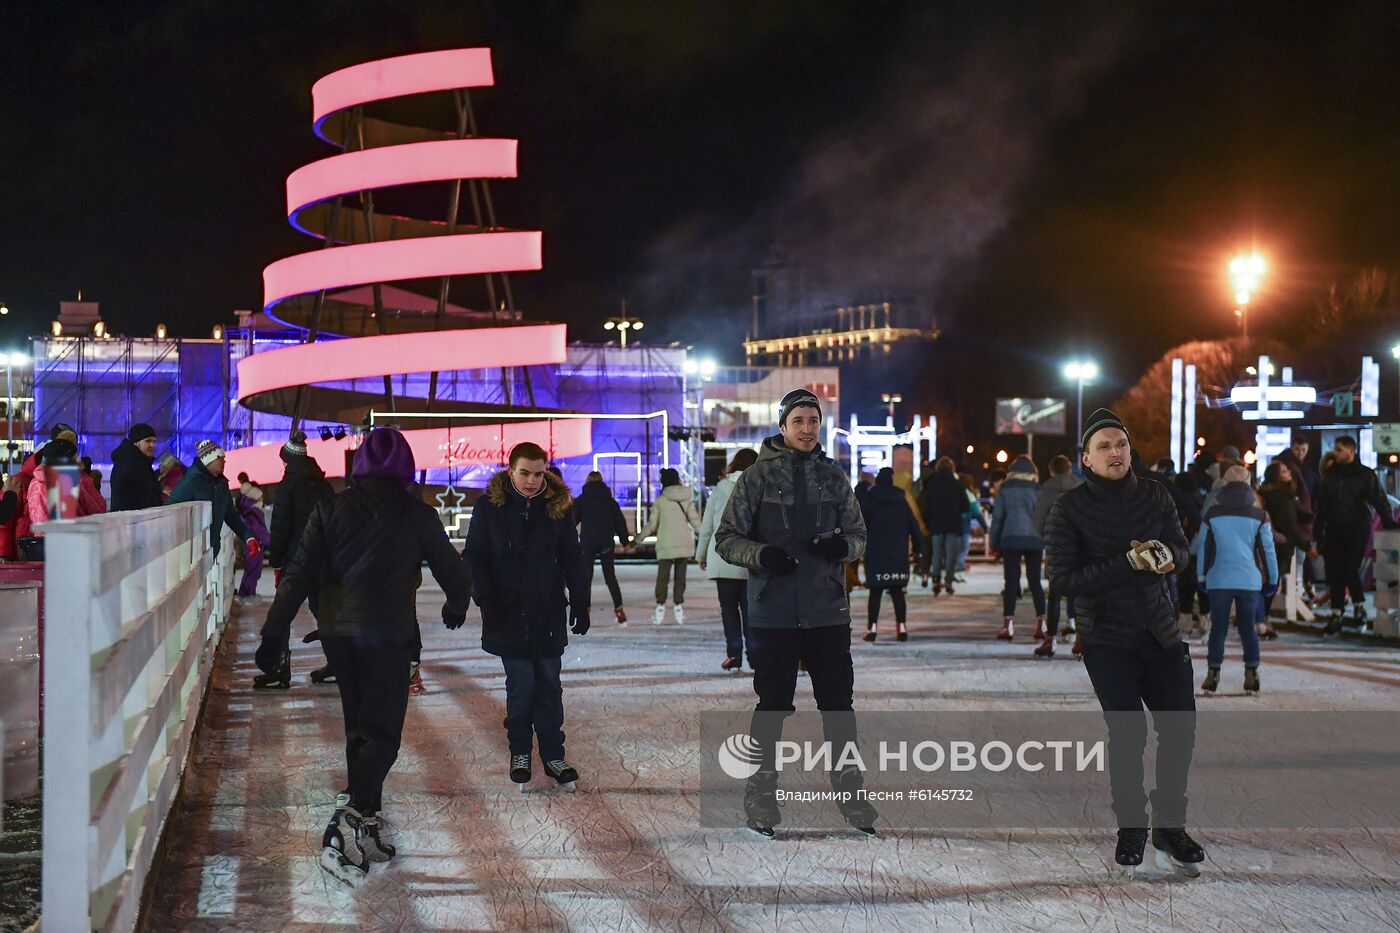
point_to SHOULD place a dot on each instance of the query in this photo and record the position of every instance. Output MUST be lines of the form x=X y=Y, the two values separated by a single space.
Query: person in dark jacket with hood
x=367 y=546
x=1110 y=544
x=1015 y=535
x=135 y=484
x=1282 y=494
x=600 y=525
x=524 y=554
x=303 y=487
x=1346 y=496
x=1062 y=480
x=890 y=529
x=943 y=503
x=793 y=521
x=205 y=481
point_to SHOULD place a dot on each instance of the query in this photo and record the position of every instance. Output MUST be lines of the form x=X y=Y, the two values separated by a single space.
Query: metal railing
x=134 y=605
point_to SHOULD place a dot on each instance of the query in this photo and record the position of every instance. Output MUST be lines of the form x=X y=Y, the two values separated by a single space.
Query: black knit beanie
x=797 y=398
x=1103 y=418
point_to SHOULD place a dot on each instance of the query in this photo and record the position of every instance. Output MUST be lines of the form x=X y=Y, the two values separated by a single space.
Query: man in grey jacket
x=794 y=522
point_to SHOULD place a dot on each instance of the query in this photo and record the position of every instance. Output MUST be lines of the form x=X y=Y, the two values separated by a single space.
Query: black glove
x=832 y=548
x=776 y=561
x=453 y=622
x=578 y=620
x=309 y=637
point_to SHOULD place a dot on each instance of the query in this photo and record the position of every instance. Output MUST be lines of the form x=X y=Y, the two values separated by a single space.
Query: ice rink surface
x=626 y=852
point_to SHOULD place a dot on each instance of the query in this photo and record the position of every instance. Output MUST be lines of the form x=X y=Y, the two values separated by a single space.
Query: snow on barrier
x=134 y=606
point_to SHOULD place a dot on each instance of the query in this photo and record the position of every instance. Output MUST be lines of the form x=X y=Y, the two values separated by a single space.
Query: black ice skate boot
x=859 y=813
x=901 y=631
x=323 y=675
x=1212 y=680
x=1251 y=680
x=1178 y=852
x=869 y=631
x=761 y=803
x=1128 y=856
x=563 y=774
x=366 y=829
x=278 y=681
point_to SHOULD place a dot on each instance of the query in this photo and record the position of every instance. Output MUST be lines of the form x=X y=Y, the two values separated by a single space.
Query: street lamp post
x=1080 y=372
x=891 y=399
x=1245 y=273
x=623 y=324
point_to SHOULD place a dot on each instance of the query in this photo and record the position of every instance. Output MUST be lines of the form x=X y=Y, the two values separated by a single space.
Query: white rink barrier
x=134 y=607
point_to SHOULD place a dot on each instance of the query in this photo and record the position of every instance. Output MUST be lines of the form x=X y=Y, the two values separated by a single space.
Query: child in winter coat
x=674 y=520
x=1235 y=563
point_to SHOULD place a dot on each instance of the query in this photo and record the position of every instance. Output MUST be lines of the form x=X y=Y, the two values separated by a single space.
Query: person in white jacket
x=674 y=520
x=732 y=582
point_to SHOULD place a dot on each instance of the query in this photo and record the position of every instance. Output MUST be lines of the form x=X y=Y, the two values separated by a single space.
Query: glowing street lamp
x=1081 y=372
x=1246 y=272
x=891 y=399
x=623 y=325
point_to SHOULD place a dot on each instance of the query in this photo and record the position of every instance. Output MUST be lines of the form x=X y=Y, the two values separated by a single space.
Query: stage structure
x=355 y=333
x=872 y=446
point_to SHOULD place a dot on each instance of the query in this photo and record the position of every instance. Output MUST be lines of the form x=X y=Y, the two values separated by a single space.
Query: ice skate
x=949 y=588
x=1178 y=852
x=520 y=770
x=679 y=613
x=340 y=857
x=1212 y=681
x=1251 y=681
x=658 y=615
x=1077 y=649
x=366 y=839
x=1039 y=629
x=901 y=631
x=562 y=773
x=1046 y=649
x=621 y=616
x=323 y=675
x=1007 y=630
x=761 y=803
x=869 y=633
x=937 y=588
x=278 y=681
x=1127 y=856
x=415 y=682
x=859 y=813
x=732 y=665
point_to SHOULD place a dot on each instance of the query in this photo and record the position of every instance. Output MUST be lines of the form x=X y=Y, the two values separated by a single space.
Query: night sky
x=1051 y=178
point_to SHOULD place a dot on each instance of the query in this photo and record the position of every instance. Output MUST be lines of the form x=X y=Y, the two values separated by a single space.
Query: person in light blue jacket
x=1235 y=563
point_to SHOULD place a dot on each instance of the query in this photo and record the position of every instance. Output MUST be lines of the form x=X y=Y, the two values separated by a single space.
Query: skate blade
x=1124 y=872
x=767 y=832
x=866 y=832
x=569 y=786
x=1166 y=862
x=342 y=871
x=522 y=786
x=282 y=685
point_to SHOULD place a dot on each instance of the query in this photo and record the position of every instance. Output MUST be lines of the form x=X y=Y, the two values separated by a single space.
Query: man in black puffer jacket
x=1111 y=544
x=522 y=546
x=1346 y=496
x=367 y=545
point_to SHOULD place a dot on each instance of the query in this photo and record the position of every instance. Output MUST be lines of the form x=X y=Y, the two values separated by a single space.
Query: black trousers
x=872 y=613
x=734 y=611
x=606 y=558
x=826 y=653
x=1126 y=678
x=534 y=706
x=1052 y=610
x=1345 y=550
x=372 y=675
x=1190 y=598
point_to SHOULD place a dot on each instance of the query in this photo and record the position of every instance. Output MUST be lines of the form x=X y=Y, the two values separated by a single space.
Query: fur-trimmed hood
x=556 y=494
